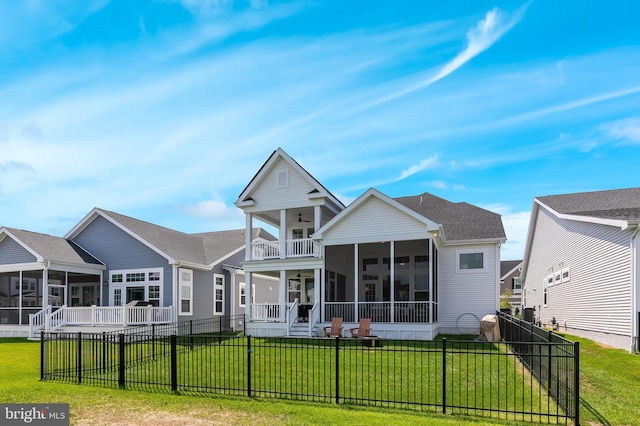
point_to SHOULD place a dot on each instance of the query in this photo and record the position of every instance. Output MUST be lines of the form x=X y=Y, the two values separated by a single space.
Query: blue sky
x=164 y=110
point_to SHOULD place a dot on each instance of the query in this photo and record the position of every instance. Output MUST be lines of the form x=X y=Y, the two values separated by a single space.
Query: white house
x=581 y=264
x=416 y=266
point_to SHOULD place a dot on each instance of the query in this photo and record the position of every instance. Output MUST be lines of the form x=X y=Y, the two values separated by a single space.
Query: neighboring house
x=416 y=266
x=581 y=264
x=109 y=259
x=510 y=280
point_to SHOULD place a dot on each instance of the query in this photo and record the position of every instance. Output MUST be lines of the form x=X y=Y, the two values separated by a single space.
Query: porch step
x=299 y=329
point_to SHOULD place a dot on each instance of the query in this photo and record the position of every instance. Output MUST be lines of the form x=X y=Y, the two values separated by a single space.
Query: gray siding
x=11 y=252
x=598 y=295
x=119 y=250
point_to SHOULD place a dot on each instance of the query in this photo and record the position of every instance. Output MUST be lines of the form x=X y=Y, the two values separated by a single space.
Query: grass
x=19 y=374
x=483 y=377
x=609 y=385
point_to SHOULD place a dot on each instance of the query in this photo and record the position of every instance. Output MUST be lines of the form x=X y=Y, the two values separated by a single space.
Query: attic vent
x=282 y=178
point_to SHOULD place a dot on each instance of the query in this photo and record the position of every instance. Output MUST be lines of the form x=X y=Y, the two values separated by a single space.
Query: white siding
x=375 y=220
x=598 y=295
x=268 y=193
x=462 y=293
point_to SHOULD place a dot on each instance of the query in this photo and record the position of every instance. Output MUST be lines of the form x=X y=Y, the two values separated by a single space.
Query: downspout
x=45 y=284
x=634 y=290
x=174 y=280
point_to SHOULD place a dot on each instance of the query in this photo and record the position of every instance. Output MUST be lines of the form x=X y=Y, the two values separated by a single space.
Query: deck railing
x=303 y=247
x=383 y=312
x=265 y=311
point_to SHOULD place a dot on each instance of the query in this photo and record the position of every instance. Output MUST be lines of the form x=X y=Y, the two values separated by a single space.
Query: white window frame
x=185 y=291
x=471 y=251
x=545 y=290
x=122 y=283
x=217 y=286
x=566 y=271
x=242 y=292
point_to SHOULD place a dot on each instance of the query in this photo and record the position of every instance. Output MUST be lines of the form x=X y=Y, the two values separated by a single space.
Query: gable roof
x=616 y=204
x=507 y=267
x=318 y=191
x=197 y=249
x=49 y=248
x=459 y=221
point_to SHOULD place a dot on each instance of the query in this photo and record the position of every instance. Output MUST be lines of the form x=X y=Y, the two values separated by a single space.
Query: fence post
x=249 y=352
x=337 y=369
x=79 y=357
x=174 y=362
x=444 y=375
x=121 y=360
x=576 y=381
x=42 y=357
x=191 y=334
x=104 y=351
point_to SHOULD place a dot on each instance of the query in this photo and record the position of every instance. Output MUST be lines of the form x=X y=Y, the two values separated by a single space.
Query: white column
x=283 y=295
x=431 y=281
x=248 y=292
x=248 y=232
x=322 y=283
x=392 y=273
x=45 y=287
x=355 y=281
x=317 y=217
x=283 y=234
x=316 y=285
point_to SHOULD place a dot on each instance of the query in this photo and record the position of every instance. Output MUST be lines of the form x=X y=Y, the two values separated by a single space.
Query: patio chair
x=363 y=329
x=335 y=329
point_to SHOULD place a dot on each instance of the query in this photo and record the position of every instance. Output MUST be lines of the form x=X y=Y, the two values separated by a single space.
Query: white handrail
x=292 y=315
x=56 y=319
x=37 y=321
x=314 y=317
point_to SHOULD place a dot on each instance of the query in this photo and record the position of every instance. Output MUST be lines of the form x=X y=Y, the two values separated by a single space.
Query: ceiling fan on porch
x=300 y=218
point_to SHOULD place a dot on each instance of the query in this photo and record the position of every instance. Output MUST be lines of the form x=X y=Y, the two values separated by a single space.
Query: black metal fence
x=215 y=325
x=465 y=377
x=550 y=358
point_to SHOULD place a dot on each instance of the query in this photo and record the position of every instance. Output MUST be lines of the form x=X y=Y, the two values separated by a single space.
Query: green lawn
x=480 y=378
x=19 y=383
x=610 y=389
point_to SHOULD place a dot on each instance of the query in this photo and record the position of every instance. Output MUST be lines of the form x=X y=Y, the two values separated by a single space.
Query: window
x=422 y=262
x=370 y=264
x=243 y=295
x=154 y=295
x=218 y=294
x=117 y=297
x=136 y=277
x=116 y=278
x=566 y=275
x=154 y=276
x=185 y=284
x=297 y=234
x=550 y=280
x=470 y=261
x=516 y=284
x=282 y=178
x=558 y=277
x=422 y=287
x=545 y=285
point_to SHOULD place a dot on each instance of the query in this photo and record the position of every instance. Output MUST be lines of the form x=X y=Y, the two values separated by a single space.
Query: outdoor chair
x=335 y=329
x=363 y=329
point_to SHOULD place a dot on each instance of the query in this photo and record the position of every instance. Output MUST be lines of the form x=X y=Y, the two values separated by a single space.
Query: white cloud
x=437 y=184
x=627 y=130
x=426 y=163
x=214 y=210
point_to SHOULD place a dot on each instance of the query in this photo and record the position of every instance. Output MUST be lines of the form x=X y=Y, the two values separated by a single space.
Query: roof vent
x=421 y=200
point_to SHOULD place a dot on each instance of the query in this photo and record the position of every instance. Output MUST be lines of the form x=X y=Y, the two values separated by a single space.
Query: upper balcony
x=265 y=250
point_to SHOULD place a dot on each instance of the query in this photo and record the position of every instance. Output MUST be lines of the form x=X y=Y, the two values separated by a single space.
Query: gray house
x=581 y=264
x=510 y=281
x=115 y=261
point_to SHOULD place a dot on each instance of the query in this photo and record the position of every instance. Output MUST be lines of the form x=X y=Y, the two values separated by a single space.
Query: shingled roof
x=53 y=248
x=460 y=221
x=200 y=248
x=618 y=204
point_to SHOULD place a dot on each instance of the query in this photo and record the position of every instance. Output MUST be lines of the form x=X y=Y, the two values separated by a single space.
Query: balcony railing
x=304 y=247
